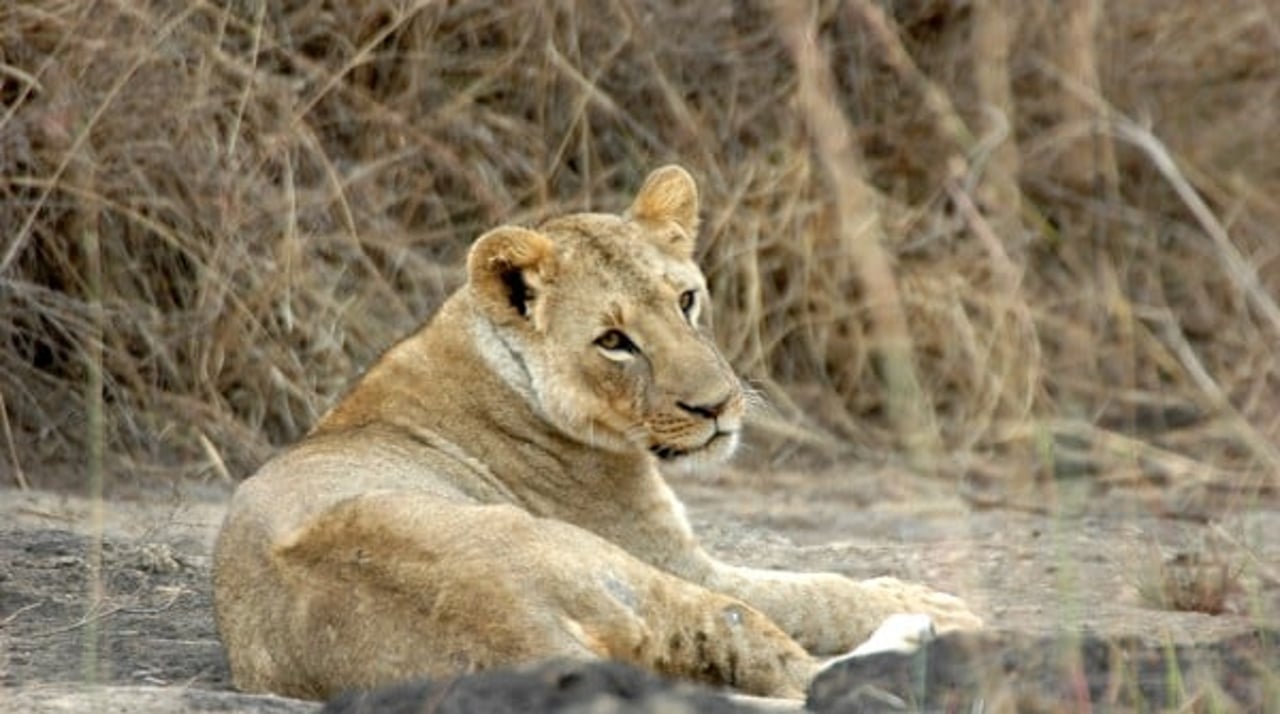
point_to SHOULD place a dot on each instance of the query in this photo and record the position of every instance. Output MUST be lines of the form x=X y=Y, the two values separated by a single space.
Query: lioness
x=488 y=493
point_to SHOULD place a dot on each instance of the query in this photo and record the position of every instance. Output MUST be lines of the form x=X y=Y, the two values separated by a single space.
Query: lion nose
x=707 y=411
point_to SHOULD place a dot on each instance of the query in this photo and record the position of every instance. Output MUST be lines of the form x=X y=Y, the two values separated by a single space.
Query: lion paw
x=900 y=633
x=903 y=632
x=947 y=612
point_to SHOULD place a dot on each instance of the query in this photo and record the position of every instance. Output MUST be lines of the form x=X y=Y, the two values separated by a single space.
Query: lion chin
x=490 y=491
x=716 y=449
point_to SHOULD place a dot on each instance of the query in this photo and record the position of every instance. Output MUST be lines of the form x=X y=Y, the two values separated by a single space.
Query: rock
x=561 y=686
x=1078 y=671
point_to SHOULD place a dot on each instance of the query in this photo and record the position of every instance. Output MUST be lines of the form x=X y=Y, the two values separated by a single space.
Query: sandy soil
x=1028 y=573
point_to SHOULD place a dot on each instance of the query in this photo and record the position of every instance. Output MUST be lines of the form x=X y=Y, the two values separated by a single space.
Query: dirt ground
x=1029 y=573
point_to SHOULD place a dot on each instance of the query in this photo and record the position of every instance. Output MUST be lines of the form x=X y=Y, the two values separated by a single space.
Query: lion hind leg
x=387 y=587
x=392 y=586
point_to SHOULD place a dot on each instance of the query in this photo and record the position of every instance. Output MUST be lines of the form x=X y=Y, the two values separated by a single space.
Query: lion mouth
x=667 y=452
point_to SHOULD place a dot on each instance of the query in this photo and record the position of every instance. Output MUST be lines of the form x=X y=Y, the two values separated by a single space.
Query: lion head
x=601 y=322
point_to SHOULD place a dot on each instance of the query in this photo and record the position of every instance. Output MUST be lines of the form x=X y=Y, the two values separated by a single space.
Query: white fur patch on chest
x=499 y=357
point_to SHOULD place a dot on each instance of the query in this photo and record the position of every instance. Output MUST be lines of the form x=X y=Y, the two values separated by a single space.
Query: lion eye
x=616 y=341
x=688 y=299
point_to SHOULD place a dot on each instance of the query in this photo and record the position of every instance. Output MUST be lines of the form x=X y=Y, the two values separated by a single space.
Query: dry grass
x=224 y=209
x=1189 y=582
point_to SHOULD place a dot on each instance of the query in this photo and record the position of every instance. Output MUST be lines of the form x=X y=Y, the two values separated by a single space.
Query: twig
x=991 y=502
x=90 y=618
x=81 y=139
x=1176 y=342
x=1172 y=463
x=47 y=514
x=233 y=134
x=14 y=615
x=18 y=475
x=94 y=617
x=1233 y=262
x=1129 y=131
x=168 y=604
x=211 y=451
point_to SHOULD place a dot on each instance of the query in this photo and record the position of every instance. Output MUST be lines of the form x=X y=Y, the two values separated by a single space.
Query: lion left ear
x=507 y=268
x=669 y=195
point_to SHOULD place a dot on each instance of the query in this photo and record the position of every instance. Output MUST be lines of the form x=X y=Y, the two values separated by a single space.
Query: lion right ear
x=507 y=268
x=669 y=196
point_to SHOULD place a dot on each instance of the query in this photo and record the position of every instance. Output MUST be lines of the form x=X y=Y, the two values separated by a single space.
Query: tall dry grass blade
x=215 y=459
x=85 y=226
x=255 y=50
x=942 y=111
x=990 y=49
x=15 y=462
x=861 y=233
x=1095 y=169
x=1012 y=322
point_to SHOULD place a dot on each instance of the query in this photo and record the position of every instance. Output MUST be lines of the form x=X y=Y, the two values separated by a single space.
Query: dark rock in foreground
x=557 y=686
x=989 y=671
x=1074 y=672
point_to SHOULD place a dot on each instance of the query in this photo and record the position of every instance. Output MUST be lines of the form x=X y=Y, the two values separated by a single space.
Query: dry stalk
x=1095 y=169
x=1176 y=342
x=937 y=102
x=18 y=475
x=861 y=234
x=215 y=459
x=78 y=145
x=990 y=47
x=1233 y=263
x=1179 y=469
x=85 y=227
x=1012 y=320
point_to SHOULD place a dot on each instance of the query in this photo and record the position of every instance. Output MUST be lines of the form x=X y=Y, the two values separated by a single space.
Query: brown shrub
x=233 y=206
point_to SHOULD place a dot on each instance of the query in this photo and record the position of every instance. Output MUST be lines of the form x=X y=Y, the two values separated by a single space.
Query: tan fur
x=488 y=493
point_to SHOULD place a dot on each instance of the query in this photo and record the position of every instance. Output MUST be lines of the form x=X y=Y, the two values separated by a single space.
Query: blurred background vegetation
x=1005 y=240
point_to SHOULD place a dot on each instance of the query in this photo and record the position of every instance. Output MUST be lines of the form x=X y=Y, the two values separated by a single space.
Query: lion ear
x=669 y=195
x=507 y=268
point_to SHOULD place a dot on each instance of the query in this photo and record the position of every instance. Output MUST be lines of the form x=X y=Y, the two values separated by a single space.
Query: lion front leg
x=712 y=638
x=831 y=614
x=623 y=608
